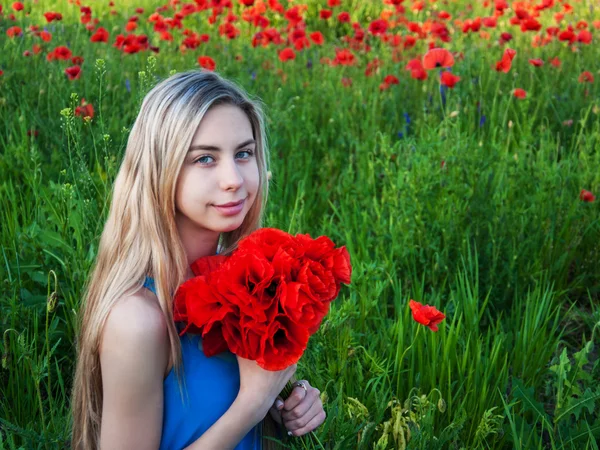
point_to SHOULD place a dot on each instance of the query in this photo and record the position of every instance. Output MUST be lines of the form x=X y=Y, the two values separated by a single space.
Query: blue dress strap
x=149 y=284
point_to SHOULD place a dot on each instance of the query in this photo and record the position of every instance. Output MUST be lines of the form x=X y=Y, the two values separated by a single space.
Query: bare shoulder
x=136 y=329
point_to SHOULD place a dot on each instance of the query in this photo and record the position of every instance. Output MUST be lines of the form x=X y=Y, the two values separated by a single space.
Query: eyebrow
x=217 y=149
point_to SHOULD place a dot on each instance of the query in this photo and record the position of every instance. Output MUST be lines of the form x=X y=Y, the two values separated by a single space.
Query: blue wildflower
x=309 y=64
x=482 y=120
x=127 y=85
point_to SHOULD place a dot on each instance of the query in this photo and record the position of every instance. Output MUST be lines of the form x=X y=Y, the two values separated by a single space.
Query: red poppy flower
x=45 y=36
x=325 y=14
x=437 y=57
x=378 y=26
x=520 y=93
x=286 y=54
x=505 y=63
x=13 y=31
x=426 y=315
x=416 y=69
x=344 y=17
x=17 y=6
x=317 y=37
x=344 y=57
x=333 y=3
x=586 y=196
x=449 y=79
x=584 y=37
x=85 y=110
x=586 y=77
x=207 y=62
x=51 y=16
x=100 y=35
x=555 y=62
x=536 y=62
x=60 y=52
x=391 y=79
x=73 y=72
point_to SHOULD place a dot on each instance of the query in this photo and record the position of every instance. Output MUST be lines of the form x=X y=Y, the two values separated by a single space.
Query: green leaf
x=527 y=396
x=576 y=405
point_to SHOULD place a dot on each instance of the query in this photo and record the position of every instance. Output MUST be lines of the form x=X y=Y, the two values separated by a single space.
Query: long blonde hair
x=140 y=237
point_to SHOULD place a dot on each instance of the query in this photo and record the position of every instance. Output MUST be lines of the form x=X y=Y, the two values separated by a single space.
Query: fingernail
x=279 y=404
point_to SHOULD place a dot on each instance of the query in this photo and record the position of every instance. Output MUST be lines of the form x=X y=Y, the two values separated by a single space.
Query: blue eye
x=250 y=153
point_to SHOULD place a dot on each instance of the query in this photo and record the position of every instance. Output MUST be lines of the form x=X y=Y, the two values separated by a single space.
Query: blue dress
x=212 y=386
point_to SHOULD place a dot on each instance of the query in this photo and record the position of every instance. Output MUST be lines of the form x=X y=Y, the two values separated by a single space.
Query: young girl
x=197 y=147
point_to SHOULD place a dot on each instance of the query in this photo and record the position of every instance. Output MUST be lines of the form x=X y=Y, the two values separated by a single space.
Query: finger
x=305 y=411
x=278 y=405
x=276 y=415
x=311 y=425
x=297 y=395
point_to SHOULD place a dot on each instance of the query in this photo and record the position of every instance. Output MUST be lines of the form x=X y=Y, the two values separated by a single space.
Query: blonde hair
x=140 y=237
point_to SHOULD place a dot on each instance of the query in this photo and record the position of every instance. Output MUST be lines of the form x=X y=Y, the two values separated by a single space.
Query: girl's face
x=219 y=168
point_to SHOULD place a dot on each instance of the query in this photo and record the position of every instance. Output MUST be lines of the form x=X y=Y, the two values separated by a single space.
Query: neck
x=196 y=243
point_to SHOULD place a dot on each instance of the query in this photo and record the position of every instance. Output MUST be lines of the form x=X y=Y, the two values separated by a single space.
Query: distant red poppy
x=449 y=79
x=584 y=37
x=100 y=35
x=73 y=72
x=85 y=110
x=344 y=57
x=586 y=196
x=344 y=17
x=325 y=14
x=556 y=62
x=536 y=62
x=347 y=82
x=332 y=3
x=207 y=62
x=416 y=69
x=378 y=26
x=425 y=314
x=437 y=57
x=520 y=93
x=586 y=77
x=505 y=63
x=317 y=37
x=17 y=6
x=60 y=52
x=51 y=16
x=14 y=31
x=45 y=36
x=286 y=54
x=391 y=79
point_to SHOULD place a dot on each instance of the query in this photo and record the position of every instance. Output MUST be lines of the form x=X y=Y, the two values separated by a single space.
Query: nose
x=231 y=177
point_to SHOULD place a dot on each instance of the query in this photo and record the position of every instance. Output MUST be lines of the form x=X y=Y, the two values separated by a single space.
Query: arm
x=133 y=356
x=230 y=429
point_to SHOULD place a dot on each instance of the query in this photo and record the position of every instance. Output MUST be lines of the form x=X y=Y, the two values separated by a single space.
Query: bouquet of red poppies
x=266 y=299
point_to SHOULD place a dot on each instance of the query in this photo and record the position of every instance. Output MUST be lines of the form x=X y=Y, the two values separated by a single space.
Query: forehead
x=223 y=124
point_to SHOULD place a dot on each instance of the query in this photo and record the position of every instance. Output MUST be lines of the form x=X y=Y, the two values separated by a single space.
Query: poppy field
x=452 y=146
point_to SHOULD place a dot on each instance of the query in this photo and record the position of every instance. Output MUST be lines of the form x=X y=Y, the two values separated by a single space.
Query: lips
x=231 y=203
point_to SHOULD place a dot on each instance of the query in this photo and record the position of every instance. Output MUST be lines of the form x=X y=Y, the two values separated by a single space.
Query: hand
x=302 y=412
x=260 y=387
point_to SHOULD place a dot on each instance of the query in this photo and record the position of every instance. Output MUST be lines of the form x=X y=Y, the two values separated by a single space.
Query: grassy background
x=495 y=237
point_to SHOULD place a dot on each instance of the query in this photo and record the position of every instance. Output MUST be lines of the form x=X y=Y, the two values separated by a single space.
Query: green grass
x=497 y=238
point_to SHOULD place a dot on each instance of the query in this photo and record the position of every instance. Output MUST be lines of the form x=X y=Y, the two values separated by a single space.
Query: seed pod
x=441 y=405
